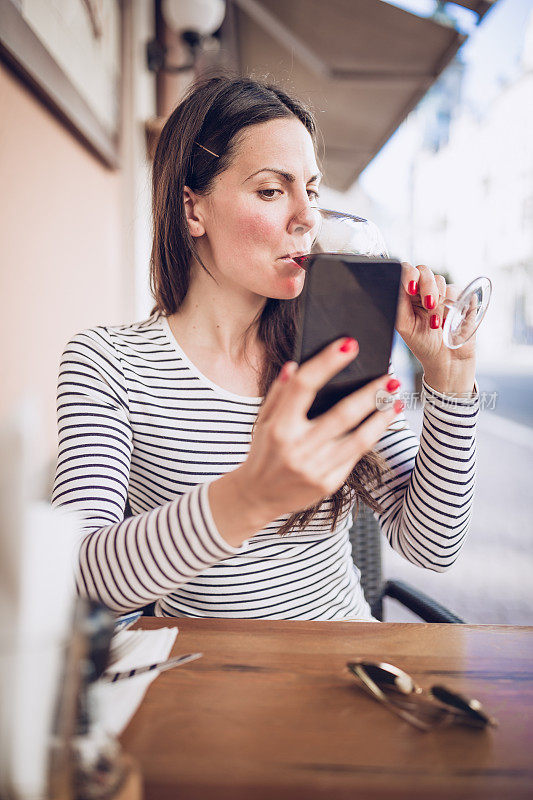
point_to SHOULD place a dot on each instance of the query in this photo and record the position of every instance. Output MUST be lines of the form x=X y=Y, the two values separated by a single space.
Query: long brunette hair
x=197 y=143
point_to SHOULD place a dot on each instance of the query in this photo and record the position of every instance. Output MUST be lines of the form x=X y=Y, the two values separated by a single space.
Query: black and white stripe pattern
x=137 y=419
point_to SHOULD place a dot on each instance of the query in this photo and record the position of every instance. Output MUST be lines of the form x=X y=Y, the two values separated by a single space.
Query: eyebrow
x=289 y=177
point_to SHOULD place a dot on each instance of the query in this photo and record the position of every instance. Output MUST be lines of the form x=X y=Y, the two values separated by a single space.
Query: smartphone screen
x=346 y=295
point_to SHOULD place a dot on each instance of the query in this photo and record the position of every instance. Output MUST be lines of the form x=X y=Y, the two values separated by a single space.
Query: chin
x=290 y=288
x=285 y=295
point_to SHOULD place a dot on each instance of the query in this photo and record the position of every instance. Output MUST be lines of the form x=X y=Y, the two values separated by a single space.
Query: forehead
x=284 y=144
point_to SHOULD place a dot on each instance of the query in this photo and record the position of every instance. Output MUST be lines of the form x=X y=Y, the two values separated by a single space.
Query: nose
x=305 y=220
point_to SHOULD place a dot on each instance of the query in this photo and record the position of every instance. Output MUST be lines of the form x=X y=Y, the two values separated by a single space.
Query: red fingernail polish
x=398 y=406
x=392 y=385
x=349 y=345
x=429 y=301
x=434 y=322
x=413 y=287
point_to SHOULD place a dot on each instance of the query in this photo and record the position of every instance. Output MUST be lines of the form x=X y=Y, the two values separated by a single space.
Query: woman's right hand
x=295 y=462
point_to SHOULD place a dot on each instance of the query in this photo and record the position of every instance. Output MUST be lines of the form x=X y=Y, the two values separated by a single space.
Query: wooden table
x=270 y=712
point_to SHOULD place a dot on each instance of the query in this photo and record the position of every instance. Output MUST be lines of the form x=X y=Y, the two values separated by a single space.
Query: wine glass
x=465 y=314
x=340 y=232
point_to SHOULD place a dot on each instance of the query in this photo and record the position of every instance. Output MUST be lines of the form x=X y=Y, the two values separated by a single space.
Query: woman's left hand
x=419 y=321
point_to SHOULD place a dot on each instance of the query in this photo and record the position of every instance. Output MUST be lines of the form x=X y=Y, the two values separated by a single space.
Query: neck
x=216 y=315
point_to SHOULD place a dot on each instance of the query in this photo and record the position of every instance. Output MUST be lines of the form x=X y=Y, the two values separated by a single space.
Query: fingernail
x=434 y=322
x=413 y=287
x=429 y=301
x=349 y=345
x=392 y=385
x=399 y=406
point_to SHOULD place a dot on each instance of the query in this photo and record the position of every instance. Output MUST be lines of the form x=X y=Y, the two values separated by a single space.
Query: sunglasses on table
x=425 y=710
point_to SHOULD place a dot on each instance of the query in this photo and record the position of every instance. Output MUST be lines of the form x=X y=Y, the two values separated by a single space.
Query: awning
x=479 y=6
x=363 y=65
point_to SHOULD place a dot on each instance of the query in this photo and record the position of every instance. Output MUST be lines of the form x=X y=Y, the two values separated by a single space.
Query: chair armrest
x=418 y=602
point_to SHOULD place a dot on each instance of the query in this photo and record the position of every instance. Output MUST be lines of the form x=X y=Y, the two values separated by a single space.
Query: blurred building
x=472 y=205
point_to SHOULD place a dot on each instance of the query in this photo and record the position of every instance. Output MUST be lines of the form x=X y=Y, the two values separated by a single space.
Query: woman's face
x=261 y=210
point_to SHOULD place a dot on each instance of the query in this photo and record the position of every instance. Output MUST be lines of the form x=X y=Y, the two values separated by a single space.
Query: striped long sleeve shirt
x=138 y=421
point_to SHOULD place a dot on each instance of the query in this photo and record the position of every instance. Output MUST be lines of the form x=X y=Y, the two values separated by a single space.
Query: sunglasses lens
x=380 y=676
x=393 y=679
x=470 y=707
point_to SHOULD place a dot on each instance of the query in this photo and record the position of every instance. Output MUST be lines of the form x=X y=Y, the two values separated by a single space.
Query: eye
x=268 y=194
x=313 y=194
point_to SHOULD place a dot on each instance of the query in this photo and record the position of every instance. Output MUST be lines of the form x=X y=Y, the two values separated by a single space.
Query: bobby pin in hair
x=206 y=150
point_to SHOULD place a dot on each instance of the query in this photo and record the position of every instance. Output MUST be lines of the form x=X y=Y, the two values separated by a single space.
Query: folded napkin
x=116 y=703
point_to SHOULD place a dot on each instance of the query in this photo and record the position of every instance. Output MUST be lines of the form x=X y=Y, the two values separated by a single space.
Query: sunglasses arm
x=377 y=694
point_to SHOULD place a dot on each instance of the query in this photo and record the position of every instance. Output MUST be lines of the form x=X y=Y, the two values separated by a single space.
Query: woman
x=241 y=507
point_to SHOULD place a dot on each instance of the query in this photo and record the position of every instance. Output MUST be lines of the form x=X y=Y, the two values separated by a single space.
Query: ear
x=193 y=212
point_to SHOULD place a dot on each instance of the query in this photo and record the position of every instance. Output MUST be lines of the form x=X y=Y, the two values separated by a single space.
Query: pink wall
x=61 y=265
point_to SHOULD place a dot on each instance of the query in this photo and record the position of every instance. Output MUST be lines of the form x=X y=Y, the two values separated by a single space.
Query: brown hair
x=196 y=144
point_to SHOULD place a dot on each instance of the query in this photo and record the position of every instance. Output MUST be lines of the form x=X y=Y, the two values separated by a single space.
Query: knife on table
x=162 y=666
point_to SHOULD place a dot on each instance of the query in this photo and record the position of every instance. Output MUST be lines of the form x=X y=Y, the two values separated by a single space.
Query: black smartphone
x=348 y=295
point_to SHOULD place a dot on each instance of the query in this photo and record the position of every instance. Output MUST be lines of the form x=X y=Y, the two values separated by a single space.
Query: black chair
x=365 y=537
